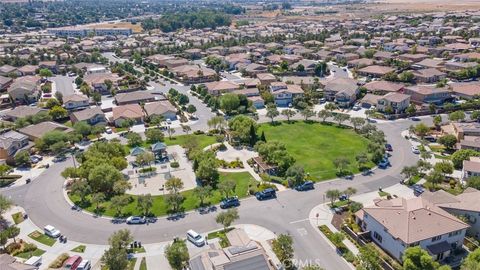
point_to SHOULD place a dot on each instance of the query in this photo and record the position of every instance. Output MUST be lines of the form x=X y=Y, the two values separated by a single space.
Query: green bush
x=59 y=261
x=222 y=147
x=174 y=164
x=13 y=247
x=349 y=256
x=146 y=170
x=198 y=132
x=27 y=247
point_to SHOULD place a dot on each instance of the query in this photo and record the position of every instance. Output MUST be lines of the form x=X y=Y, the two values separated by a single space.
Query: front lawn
x=79 y=249
x=160 y=208
x=17 y=217
x=222 y=235
x=42 y=238
x=316 y=145
x=29 y=254
x=202 y=140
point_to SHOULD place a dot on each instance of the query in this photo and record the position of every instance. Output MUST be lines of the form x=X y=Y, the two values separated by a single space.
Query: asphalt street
x=44 y=201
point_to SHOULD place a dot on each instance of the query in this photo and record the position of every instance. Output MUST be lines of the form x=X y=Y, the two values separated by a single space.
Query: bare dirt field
x=136 y=28
x=426 y=5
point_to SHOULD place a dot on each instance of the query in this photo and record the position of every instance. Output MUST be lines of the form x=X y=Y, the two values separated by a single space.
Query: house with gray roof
x=91 y=116
x=11 y=142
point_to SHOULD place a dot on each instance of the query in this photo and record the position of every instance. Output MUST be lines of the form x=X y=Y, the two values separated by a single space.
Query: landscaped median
x=243 y=180
x=42 y=238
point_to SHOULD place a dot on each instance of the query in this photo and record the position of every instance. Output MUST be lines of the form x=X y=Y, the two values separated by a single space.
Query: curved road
x=43 y=200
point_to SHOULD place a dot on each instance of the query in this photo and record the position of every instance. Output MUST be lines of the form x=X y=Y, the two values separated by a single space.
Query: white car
x=51 y=231
x=84 y=265
x=195 y=238
x=108 y=130
x=136 y=220
x=415 y=150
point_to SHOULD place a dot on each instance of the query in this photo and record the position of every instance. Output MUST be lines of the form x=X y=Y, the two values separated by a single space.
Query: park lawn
x=143 y=264
x=79 y=249
x=28 y=255
x=202 y=139
x=315 y=145
x=160 y=208
x=42 y=238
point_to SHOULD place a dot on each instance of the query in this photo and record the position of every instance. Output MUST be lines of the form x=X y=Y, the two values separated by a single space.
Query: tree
x=330 y=107
x=332 y=194
x=295 y=175
x=22 y=158
x=191 y=109
x=416 y=258
x=437 y=120
x=272 y=112
x=177 y=255
x=307 y=113
x=4 y=170
x=341 y=163
x=174 y=201
x=226 y=187
x=411 y=110
x=421 y=130
x=58 y=112
x=207 y=168
x=12 y=232
x=445 y=167
x=202 y=193
x=283 y=247
x=341 y=117
x=82 y=128
x=362 y=160
x=472 y=261
x=115 y=258
x=456 y=116
x=241 y=126
x=409 y=171
x=368 y=258
x=81 y=189
x=52 y=103
x=226 y=218
x=118 y=203
x=449 y=141
x=154 y=135
x=46 y=73
x=174 y=185
x=350 y=191
x=170 y=132
x=289 y=113
x=5 y=204
x=434 y=177
x=186 y=128
x=337 y=238
x=324 y=114
x=229 y=102
x=357 y=122
x=145 y=203
x=97 y=199
x=463 y=154
x=475 y=116
x=156 y=120
x=134 y=139
x=217 y=123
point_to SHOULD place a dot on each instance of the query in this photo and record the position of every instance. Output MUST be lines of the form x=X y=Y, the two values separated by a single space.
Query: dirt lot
x=136 y=28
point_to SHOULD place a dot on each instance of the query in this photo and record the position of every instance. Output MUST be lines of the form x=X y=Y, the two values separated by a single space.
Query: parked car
x=416 y=119
x=322 y=100
x=51 y=231
x=415 y=150
x=366 y=172
x=136 y=220
x=430 y=138
x=343 y=197
x=84 y=265
x=229 y=202
x=108 y=130
x=384 y=163
x=307 y=185
x=34 y=261
x=59 y=158
x=348 y=177
x=268 y=193
x=418 y=190
x=72 y=262
x=356 y=108
x=388 y=147
x=195 y=238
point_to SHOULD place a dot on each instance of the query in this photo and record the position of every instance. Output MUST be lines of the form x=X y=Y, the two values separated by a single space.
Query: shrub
x=27 y=247
x=349 y=256
x=146 y=170
x=13 y=247
x=59 y=261
x=222 y=147
x=220 y=138
x=198 y=132
x=174 y=164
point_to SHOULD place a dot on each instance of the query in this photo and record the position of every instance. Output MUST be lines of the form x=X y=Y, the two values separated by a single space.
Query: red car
x=72 y=262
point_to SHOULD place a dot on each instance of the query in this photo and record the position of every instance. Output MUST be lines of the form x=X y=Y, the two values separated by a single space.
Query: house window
x=377 y=236
x=414 y=244
x=436 y=238
x=454 y=233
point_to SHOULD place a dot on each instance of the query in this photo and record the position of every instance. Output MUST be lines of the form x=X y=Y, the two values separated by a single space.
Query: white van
x=84 y=265
x=51 y=231
x=195 y=238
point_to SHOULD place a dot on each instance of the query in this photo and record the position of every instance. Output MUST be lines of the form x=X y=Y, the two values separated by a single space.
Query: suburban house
x=97 y=81
x=7 y=70
x=464 y=205
x=8 y=262
x=194 y=74
x=266 y=78
x=397 y=102
x=428 y=94
x=25 y=89
x=257 y=101
x=400 y=223
x=11 y=142
x=161 y=108
x=383 y=87
x=343 y=91
x=125 y=112
x=429 y=75
x=375 y=71
x=243 y=253
x=285 y=94
x=37 y=131
x=220 y=87
x=21 y=112
x=134 y=98
x=462 y=130
x=466 y=90
x=5 y=82
x=75 y=101
x=471 y=168
x=469 y=142
x=91 y=116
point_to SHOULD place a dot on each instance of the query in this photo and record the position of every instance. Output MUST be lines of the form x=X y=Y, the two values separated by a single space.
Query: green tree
x=422 y=130
x=58 y=112
x=289 y=113
x=46 y=73
x=416 y=258
x=4 y=170
x=134 y=139
x=226 y=218
x=295 y=175
x=12 y=232
x=475 y=116
x=145 y=203
x=202 y=193
x=411 y=110
x=272 y=112
x=22 y=158
x=472 y=261
x=283 y=247
x=174 y=185
x=332 y=194
x=350 y=191
x=177 y=255
x=337 y=238
x=227 y=187
x=437 y=120
x=174 y=201
x=449 y=141
x=369 y=259
x=97 y=199
x=5 y=204
x=464 y=154
x=81 y=189
x=82 y=128
x=324 y=114
x=357 y=122
x=115 y=257
x=456 y=116
x=341 y=117
x=229 y=103
x=341 y=163
x=240 y=125
x=307 y=113
x=118 y=202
